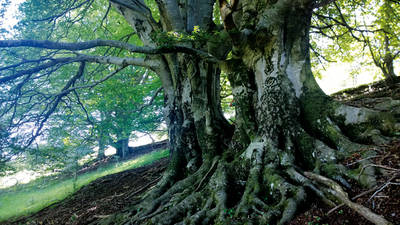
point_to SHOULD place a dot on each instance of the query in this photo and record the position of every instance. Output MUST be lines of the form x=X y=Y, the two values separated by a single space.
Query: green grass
x=31 y=200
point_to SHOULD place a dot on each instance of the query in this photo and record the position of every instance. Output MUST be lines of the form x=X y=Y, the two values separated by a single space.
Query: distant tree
x=362 y=27
x=77 y=115
x=126 y=104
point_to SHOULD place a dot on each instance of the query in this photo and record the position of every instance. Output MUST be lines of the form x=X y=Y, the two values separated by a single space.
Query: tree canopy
x=362 y=31
x=58 y=112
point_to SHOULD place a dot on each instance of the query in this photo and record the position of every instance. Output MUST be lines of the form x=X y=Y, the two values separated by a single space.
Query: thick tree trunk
x=122 y=147
x=388 y=69
x=285 y=125
x=387 y=66
x=101 y=153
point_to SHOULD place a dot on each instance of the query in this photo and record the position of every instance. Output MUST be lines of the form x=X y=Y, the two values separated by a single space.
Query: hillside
x=105 y=196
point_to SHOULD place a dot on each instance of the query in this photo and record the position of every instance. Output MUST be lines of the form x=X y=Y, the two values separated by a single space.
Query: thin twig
x=382 y=187
x=358 y=161
x=379 y=166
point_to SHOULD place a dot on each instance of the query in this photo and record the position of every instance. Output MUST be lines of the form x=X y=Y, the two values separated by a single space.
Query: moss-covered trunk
x=252 y=172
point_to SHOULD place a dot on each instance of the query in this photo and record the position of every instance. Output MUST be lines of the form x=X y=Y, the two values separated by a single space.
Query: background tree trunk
x=102 y=147
x=122 y=147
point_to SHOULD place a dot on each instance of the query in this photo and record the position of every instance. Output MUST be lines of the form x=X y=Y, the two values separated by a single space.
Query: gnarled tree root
x=336 y=190
x=264 y=183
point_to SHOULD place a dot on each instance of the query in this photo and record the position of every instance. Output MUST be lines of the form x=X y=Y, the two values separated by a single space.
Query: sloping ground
x=376 y=96
x=103 y=197
x=373 y=90
x=114 y=193
x=134 y=152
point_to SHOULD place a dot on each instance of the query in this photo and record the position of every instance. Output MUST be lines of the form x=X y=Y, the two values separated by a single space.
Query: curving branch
x=45 y=44
x=51 y=63
x=71 y=7
x=56 y=101
x=82 y=58
x=93 y=84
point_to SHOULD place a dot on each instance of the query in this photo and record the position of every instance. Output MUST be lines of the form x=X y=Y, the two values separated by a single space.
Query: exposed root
x=269 y=181
x=158 y=203
x=366 y=124
x=202 y=181
x=337 y=191
x=174 y=213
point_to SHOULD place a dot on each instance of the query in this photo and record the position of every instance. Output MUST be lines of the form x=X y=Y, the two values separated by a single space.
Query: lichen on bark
x=252 y=172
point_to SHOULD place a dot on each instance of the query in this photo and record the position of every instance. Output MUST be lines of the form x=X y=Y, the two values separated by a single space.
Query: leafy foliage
x=101 y=105
x=351 y=31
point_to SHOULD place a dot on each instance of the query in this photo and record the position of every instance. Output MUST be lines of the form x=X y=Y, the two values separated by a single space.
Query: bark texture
x=252 y=171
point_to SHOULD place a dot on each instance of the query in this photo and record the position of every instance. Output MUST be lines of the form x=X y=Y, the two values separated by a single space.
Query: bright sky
x=337 y=77
x=9 y=19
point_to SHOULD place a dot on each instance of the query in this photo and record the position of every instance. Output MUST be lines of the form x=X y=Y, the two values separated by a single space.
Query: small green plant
x=230 y=212
x=168 y=39
x=316 y=221
x=73 y=218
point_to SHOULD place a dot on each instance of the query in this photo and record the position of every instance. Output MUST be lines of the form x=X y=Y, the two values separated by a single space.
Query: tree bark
x=251 y=171
x=101 y=153
x=122 y=147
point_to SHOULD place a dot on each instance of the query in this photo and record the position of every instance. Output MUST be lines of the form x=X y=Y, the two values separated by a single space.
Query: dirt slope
x=105 y=196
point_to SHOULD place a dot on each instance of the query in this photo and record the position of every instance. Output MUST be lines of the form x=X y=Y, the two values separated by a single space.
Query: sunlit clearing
x=110 y=151
x=339 y=76
x=145 y=138
x=34 y=198
x=22 y=177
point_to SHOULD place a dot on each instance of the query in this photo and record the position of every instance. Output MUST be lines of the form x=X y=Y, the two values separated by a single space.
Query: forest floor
x=115 y=193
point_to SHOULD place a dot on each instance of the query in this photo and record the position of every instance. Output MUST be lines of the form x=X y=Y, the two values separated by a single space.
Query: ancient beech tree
x=257 y=169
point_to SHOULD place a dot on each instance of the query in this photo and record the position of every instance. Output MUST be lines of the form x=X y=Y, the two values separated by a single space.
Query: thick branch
x=101 y=43
x=119 y=61
x=83 y=58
